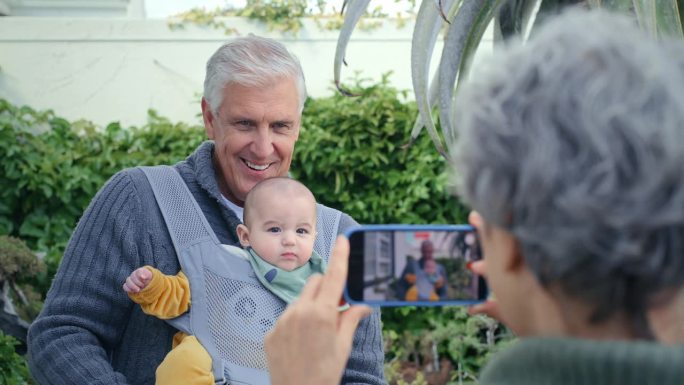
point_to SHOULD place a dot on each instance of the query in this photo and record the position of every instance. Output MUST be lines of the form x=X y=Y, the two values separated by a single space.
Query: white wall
x=71 y=8
x=108 y=69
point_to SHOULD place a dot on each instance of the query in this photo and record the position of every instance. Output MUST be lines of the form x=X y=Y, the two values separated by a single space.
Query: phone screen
x=397 y=265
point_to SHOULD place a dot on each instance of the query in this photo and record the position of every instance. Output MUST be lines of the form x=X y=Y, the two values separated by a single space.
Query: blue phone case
x=404 y=227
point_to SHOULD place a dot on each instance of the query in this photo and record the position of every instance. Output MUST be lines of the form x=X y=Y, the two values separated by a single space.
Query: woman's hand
x=490 y=307
x=312 y=340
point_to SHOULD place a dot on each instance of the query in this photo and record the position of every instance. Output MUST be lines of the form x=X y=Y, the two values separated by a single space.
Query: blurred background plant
x=465 y=22
x=286 y=15
x=13 y=368
x=19 y=302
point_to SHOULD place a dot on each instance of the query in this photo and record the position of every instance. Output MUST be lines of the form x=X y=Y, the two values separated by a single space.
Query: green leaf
x=659 y=17
x=427 y=27
x=355 y=9
x=469 y=17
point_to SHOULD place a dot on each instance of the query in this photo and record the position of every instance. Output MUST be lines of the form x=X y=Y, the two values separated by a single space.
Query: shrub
x=19 y=265
x=13 y=368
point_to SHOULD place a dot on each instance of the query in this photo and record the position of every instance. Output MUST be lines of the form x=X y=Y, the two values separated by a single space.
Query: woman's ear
x=243 y=235
x=511 y=255
x=516 y=260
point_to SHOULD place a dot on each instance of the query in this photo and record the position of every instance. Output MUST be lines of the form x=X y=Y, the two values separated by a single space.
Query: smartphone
x=416 y=265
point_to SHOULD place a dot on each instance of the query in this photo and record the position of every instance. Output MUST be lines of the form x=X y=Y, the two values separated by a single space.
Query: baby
x=426 y=283
x=278 y=235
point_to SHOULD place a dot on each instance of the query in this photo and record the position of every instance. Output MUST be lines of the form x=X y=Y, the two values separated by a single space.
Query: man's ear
x=243 y=235
x=209 y=118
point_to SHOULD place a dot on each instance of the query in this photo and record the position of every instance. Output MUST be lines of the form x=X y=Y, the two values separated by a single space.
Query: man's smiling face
x=254 y=130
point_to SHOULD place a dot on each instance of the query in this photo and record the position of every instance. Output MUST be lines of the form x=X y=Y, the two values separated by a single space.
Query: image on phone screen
x=414 y=265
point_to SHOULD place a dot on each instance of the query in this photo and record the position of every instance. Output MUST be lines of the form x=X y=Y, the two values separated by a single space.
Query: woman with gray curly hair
x=570 y=150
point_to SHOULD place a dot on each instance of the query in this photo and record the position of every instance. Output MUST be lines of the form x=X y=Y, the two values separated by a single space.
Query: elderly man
x=89 y=332
x=414 y=269
x=570 y=149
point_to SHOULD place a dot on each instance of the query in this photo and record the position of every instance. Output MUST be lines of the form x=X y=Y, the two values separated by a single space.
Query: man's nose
x=262 y=145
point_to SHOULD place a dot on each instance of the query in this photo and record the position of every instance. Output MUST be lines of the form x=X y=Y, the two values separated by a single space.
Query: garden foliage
x=13 y=369
x=350 y=153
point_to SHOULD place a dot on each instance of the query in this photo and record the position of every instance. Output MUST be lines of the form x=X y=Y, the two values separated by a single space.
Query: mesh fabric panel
x=326 y=231
x=240 y=314
x=180 y=212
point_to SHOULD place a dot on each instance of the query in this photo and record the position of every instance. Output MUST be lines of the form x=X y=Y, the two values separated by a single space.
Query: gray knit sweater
x=566 y=361
x=90 y=332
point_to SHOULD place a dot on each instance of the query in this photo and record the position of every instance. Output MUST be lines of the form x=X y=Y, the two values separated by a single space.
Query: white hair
x=251 y=61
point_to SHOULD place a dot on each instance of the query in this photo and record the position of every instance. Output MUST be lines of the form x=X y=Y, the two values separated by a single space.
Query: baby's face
x=430 y=266
x=282 y=230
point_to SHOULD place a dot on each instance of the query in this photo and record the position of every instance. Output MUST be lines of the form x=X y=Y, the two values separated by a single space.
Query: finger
x=310 y=290
x=135 y=280
x=130 y=287
x=475 y=220
x=143 y=274
x=479 y=268
x=350 y=318
x=336 y=276
x=489 y=308
x=348 y=322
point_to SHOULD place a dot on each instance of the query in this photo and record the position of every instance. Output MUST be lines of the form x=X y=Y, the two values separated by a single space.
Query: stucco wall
x=108 y=70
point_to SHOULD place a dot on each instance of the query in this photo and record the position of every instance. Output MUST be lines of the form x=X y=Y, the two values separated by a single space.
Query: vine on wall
x=286 y=16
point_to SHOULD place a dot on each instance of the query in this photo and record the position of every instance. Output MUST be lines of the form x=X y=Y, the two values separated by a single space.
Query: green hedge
x=349 y=153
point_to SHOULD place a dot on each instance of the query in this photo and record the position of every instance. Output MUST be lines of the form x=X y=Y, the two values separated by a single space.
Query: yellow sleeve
x=412 y=293
x=166 y=296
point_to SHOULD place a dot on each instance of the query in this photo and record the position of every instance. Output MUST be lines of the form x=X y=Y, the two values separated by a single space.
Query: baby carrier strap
x=187 y=226
x=182 y=214
x=327 y=225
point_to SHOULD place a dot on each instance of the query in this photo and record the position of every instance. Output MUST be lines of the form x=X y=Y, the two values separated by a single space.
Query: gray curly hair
x=251 y=61
x=574 y=142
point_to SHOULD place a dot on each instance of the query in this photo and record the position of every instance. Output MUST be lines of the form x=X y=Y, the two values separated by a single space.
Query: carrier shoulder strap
x=184 y=219
x=327 y=225
x=183 y=216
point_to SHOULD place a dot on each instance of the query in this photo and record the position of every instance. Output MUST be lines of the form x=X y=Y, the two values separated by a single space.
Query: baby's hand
x=138 y=280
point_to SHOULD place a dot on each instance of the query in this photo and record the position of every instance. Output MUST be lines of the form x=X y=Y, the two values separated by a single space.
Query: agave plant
x=465 y=22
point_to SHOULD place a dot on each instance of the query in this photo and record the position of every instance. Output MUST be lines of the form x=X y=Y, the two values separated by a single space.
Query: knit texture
x=90 y=332
x=565 y=361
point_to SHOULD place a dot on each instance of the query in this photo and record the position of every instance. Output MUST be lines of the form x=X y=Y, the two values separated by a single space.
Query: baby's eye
x=273 y=229
x=302 y=231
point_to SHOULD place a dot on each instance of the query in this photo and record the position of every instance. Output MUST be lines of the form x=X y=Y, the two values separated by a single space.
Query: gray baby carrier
x=231 y=311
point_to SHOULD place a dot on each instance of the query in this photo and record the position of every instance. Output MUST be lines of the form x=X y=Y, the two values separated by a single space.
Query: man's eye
x=302 y=231
x=273 y=229
x=281 y=126
x=243 y=124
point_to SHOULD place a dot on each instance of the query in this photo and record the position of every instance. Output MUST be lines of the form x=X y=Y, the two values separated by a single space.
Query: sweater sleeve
x=85 y=311
x=166 y=296
x=366 y=361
